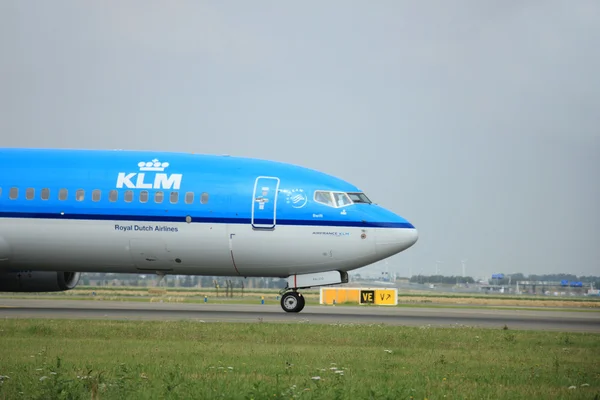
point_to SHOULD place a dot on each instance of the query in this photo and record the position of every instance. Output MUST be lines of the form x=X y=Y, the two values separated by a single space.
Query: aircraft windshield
x=340 y=199
x=359 y=198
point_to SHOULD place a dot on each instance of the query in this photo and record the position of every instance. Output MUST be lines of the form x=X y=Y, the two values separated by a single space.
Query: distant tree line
x=441 y=279
x=108 y=279
x=508 y=278
x=513 y=278
x=183 y=281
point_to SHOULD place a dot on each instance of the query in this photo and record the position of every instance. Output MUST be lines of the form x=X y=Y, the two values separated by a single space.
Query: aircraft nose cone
x=390 y=241
x=412 y=237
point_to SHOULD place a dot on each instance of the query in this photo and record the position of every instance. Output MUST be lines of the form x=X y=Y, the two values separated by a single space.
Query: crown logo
x=153 y=165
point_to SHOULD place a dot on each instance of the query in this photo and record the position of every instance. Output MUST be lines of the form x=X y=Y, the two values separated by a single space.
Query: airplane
x=64 y=212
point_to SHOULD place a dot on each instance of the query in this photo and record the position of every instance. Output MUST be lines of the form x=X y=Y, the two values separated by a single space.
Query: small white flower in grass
x=572 y=387
x=585 y=385
x=43 y=378
x=388 y=351
x=316 y=378
x=333 y=368
x=229 y=367
x=53 y=373
x=339 y=372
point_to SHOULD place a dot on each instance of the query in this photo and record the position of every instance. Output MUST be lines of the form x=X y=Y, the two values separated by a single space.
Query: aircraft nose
x=390 y=241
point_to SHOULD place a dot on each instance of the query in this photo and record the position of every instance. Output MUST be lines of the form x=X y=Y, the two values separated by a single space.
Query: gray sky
x=478 y=121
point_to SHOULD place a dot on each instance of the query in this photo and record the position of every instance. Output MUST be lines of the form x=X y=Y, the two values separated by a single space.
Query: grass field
x=154 y=360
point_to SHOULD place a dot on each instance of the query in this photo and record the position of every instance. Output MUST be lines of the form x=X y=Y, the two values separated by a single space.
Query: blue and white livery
x=63 y=212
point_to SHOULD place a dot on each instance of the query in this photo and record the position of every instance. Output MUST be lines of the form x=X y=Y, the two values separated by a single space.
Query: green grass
x=69 y=359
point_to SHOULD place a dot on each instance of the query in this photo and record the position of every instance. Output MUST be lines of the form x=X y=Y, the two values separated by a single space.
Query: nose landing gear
x=292 y=302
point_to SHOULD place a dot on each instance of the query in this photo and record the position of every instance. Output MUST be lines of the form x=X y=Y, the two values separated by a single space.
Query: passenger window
x=159 y=197
x=29 y=193
x=174 y=197
x=96 y=195
x=324 y=198
x=62 y=194
x=80 y=195
x=45 y=194
x=204 y=198
x=113 y=196
x=189 y=197
x=13 y=194
x=128 y=196
x=143 y=196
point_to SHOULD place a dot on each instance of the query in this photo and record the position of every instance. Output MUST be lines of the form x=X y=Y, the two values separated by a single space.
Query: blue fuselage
x=217 y=189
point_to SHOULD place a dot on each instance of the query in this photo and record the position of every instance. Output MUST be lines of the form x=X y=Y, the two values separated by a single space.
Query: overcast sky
x=478 y=121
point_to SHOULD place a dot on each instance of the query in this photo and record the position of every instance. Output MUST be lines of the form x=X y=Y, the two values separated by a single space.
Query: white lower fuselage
x=192 y=248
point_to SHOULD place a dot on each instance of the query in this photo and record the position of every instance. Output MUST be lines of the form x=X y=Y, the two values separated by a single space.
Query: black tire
x=292 y=302
x=302 y=302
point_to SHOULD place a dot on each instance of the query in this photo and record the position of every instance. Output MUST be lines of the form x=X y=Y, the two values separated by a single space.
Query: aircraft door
x=264 y=202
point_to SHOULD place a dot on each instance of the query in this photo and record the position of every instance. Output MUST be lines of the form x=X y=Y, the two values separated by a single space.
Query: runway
x=418 y=316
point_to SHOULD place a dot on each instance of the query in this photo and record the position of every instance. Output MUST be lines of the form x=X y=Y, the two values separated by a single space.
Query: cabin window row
x=113 y=195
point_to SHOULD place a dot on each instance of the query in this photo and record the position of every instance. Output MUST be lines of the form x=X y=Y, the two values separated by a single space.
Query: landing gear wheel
x=292 y=302
x=301 y=302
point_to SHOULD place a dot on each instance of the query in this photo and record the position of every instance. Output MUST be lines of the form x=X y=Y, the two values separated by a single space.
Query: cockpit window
x=359 y=198
x=341 y=199
x=332 y=199
x=324 y=198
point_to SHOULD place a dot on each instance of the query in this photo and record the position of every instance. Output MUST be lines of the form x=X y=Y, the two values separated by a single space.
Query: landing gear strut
x=292 y=302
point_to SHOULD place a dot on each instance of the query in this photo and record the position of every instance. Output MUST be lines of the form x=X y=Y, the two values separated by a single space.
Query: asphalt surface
x=418 y=316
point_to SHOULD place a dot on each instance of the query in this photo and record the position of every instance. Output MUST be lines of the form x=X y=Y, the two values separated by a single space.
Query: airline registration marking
x=145 y=228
